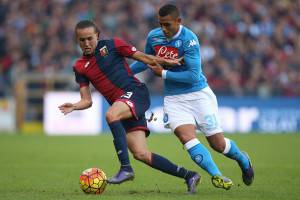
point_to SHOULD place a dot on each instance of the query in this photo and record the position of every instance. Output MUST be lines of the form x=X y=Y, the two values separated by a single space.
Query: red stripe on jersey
x=124 y=48
x=99 y=80
x=83 y=84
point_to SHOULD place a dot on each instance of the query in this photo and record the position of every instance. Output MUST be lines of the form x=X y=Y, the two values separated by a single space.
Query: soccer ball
x=93 y=181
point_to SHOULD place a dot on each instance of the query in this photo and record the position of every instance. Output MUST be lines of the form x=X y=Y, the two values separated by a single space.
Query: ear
x=179 y=20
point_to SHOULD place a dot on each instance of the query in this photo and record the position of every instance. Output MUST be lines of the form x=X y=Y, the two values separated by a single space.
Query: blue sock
x=120 y=143
x=202 y=157
x=235 y=154
x=162 y=164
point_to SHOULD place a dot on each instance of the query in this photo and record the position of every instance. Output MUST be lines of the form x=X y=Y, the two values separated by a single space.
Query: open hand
x=173 y=62
x=66 y=108
x=156 y=68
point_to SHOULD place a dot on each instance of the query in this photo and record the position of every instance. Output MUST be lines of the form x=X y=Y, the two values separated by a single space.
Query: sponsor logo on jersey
x=166 y=52
x=103 y=51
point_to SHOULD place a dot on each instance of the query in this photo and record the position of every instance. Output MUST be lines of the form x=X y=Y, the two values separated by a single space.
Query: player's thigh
x=205 y=111
x=119 y=110
x=177 y=114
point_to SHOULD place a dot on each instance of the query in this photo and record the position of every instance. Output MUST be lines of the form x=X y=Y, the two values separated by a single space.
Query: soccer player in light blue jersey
x=189 y=103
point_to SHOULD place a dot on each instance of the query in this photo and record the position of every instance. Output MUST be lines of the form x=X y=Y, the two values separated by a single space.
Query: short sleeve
x=80 y=79
x=124 y=48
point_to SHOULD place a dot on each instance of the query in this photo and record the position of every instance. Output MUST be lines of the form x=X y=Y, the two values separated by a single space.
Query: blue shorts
x=138 y=100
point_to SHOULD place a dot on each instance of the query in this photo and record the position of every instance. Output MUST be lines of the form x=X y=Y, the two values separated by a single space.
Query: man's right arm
x=85 y=95
x=84 y=103
x=138 y=66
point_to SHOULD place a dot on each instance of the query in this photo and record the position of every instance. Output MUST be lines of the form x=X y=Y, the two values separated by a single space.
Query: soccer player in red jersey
x=103 y=65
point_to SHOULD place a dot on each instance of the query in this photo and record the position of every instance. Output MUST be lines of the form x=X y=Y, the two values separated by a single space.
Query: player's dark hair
x=169 y=9
x=86 y=24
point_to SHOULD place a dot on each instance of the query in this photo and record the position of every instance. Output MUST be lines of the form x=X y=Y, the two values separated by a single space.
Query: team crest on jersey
x=103 y=51
x=178 y=43
x=166 y=52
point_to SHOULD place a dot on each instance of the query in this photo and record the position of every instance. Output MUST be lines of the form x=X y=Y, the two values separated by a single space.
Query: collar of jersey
x=177 y=34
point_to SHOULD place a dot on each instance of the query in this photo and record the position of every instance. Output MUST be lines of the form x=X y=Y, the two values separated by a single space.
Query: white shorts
x=199 y=108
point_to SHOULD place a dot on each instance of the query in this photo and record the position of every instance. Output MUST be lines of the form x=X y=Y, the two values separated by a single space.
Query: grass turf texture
x=41 y=167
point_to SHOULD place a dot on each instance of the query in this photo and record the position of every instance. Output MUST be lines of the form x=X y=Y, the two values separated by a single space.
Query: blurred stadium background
x=250 y=55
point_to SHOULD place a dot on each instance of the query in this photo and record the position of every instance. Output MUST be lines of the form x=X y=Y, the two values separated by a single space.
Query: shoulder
x=117 y=39
x=106 y=41
x=80 y=64
x=188 y=33
x=157 y=32
x=119 y=42
x=190 y=38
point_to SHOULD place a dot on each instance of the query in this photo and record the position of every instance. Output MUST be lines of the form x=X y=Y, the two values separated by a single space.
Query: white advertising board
x=79 y=122
x=7 y=115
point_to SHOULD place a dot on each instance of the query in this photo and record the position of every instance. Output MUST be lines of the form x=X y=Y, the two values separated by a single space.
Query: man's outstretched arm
x=84 y=103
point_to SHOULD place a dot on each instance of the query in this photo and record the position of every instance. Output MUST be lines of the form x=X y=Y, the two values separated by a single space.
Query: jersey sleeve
x=137 y=66
x=124 y=48
x=80 y=79
x=192 y=62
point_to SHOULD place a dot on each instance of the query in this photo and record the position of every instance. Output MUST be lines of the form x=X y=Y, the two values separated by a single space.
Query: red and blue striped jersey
x=107 y=70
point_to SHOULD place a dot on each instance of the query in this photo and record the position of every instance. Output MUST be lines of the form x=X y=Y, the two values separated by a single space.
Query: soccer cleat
x=121 y=177
x=248 y=174
x=192 y=182
x=221 y=182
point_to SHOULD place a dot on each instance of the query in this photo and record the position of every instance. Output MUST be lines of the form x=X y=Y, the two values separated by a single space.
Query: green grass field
x=41 y=167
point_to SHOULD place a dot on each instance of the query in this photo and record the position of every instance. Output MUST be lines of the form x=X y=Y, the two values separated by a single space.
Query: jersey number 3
x=127 y=95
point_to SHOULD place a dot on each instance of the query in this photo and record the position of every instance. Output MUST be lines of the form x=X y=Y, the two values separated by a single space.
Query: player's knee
x=143 y=156
x=218 y=146
x=110 y=116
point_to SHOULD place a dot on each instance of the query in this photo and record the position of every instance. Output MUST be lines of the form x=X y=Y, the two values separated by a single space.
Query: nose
x=164 y=28
x=86 y=43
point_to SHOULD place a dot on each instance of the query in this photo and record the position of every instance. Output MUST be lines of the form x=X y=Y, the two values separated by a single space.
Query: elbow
x=195 y=77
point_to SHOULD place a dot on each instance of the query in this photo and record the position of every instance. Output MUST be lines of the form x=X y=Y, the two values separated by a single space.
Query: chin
x=87 y=53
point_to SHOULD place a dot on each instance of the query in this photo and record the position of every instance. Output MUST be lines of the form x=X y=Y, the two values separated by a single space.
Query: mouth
x=167 y=34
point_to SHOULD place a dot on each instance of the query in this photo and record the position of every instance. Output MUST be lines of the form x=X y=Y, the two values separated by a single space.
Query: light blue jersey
x=179 y=79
